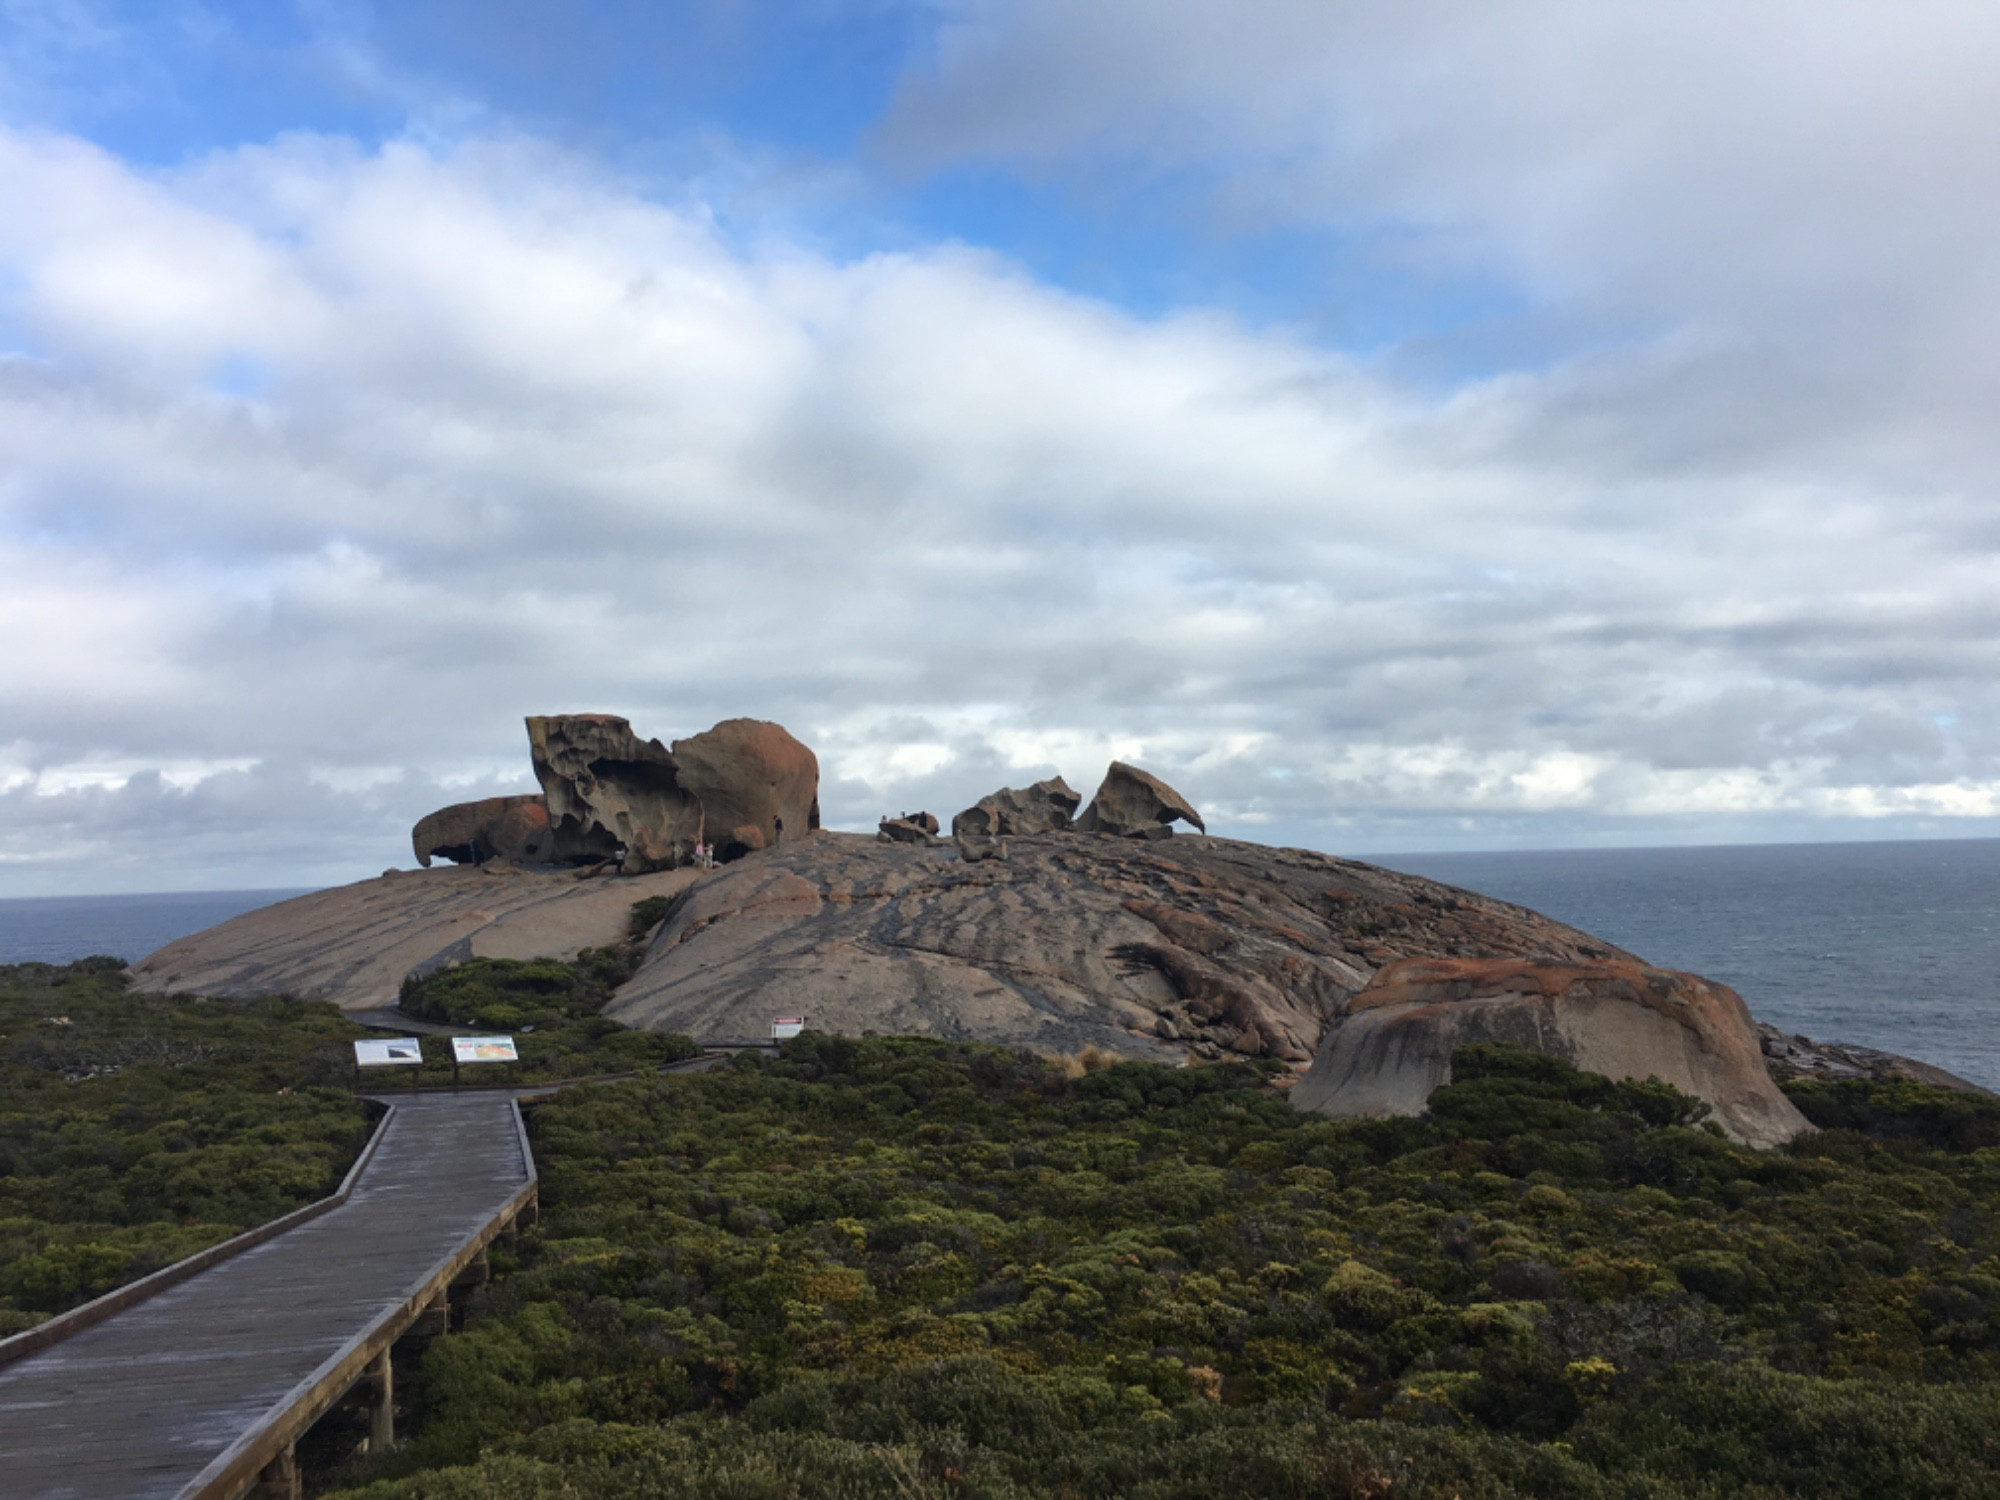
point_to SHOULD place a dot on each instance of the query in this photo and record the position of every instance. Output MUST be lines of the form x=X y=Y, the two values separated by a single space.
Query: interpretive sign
x=378 y=1052
x=465 y=1049
x=786 y=1026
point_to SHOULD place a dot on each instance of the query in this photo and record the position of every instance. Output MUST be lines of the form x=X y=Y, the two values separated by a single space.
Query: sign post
x=480 y=1049
x=787 y=1026
x=388 y=1052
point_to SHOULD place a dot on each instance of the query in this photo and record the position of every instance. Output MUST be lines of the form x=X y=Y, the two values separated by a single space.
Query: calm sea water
x=1891 y=945
x=56 y=929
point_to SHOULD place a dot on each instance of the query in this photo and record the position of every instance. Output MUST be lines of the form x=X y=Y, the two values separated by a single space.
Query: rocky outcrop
x=612 y=795
x=353 y=945
x=910 y=828
x=1045 y=807
x=1135 y=804
x=743 y=786
x=1789 y=1057
x=1202 y=947
x=1392 y=1044
x=515 y=829
x=748 y=774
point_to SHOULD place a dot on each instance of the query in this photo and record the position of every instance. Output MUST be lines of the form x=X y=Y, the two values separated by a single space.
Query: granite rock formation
x=1046 y=807
x=1789 y=1057
x=515 y=829
x=1392 y=1044
x=909 y=828
x=742 y=786
x=750 y=777
x=612 y=795
x=1134 y=804
x=1207 y=947
x=353 y=945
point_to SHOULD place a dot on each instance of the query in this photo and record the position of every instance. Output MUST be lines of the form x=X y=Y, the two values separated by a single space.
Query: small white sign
x=376 y=1052
x=467 y=1049
x=787 y=1026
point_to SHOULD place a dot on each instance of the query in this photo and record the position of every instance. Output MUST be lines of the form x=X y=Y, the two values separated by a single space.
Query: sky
x=1402 y=427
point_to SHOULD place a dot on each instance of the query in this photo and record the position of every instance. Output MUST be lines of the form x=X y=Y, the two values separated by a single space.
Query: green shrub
x=884 y=1265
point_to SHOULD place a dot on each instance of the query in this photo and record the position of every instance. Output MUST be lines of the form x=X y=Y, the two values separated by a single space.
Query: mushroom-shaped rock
x=515 y=829
x=1045 y=807
x=747 y=773
x=610 y=792
x=1392 y=1046
x=1134 y=804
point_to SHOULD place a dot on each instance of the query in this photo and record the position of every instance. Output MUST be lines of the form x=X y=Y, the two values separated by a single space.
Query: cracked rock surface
x=1059 y=941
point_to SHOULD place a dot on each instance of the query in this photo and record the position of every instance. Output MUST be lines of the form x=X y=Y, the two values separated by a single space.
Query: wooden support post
x=382 y=1423
x=478 y=1271
x=436 y=1316
x=279 y=1479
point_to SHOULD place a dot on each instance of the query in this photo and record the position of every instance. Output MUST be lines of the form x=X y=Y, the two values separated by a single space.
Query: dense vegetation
x=895 y=1267
x=885 y=1266
x=135 y=1130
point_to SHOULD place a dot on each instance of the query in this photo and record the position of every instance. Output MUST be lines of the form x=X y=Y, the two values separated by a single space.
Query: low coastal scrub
x=888 y=1266
x=136 y=1129
x=552 y=1008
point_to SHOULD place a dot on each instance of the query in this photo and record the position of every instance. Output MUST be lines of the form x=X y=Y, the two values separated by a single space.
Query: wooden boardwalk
x=193 y=1391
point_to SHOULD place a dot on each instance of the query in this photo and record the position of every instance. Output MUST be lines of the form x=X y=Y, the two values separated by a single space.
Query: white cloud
x=514 y=438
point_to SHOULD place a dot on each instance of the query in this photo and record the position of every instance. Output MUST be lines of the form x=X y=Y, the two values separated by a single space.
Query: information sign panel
x=467 y=1049
x=379 y=1052
x=787 y=1026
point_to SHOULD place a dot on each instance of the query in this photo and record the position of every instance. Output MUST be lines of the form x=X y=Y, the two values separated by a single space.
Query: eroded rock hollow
x=608 y=795
x=515 y=829
x=1390 y=1046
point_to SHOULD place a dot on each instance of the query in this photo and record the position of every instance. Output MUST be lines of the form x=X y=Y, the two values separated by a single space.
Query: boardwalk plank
x=136 y=1406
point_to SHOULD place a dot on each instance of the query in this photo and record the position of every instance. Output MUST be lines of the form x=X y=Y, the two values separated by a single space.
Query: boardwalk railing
x=265 y=1451
x=66 y=1325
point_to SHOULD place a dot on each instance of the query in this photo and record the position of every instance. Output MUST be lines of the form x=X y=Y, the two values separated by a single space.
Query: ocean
x=57 y=929
x=1890 y=945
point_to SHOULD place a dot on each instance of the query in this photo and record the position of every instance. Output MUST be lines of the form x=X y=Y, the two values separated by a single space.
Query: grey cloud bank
x=319 y=467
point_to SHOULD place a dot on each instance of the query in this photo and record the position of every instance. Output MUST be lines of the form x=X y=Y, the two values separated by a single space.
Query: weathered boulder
x=612 y=795
x=910 y=828
x=1207 y=947
x=1134 y=804
x=1392 y=1043
x=748 y=773
x=1045 y=807
x=515 y=829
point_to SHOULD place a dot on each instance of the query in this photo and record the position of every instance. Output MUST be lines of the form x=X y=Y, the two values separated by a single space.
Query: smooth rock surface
x=1053 y=942
x=470 y=833
x=1135 y=804
x=354 y=944
x=1392 y=1045
x=749 y=773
